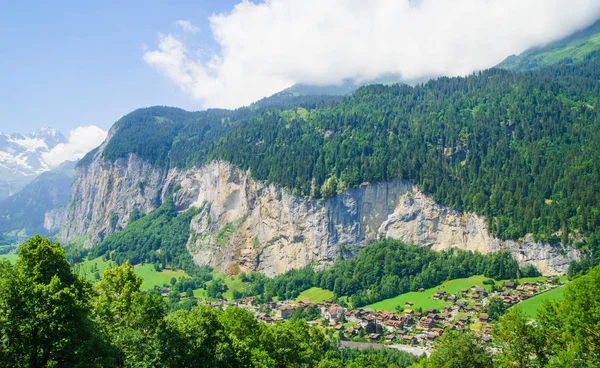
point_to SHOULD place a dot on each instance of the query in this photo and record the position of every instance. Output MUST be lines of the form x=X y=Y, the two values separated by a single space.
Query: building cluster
x=466 y=309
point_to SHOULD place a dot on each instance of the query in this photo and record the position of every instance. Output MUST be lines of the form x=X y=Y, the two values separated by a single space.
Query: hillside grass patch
x=315 y=295
x=153 y=278
x=531 y=306
x=11 y=257
x=424 y=299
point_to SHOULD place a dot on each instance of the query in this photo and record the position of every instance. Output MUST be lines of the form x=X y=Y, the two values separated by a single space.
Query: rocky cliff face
x=246 y=225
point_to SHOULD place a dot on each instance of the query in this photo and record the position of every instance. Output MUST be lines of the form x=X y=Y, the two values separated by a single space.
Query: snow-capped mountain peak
x=21 y=157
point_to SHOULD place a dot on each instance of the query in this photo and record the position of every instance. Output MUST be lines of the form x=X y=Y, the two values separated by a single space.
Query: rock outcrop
x=246 y=225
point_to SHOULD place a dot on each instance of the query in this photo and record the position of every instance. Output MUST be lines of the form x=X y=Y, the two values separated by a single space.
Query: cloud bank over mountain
x=81 y=140
x=271 y=45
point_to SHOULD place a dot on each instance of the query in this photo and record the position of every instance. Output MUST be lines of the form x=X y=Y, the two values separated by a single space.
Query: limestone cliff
x=247 y=225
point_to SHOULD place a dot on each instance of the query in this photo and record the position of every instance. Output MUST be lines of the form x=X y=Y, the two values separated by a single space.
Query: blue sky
x=70 y=63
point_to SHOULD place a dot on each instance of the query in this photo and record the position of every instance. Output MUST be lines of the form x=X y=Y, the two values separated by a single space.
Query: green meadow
x=424 y=299
x=11 y=257
x=150 y=275
x=531 y=306
x=315 y=295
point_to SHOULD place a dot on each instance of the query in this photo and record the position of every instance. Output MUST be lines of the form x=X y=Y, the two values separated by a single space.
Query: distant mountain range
x=21 y=157
x=38 y=207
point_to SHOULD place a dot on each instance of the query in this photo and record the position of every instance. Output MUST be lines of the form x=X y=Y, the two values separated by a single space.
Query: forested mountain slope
x=573 y=49
x=519 y=149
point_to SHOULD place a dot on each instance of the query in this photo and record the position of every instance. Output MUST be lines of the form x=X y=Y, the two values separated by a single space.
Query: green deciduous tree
x=458 y=350
x=44 y=310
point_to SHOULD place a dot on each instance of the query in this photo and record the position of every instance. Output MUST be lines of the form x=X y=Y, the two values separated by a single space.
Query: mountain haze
x=572 y=49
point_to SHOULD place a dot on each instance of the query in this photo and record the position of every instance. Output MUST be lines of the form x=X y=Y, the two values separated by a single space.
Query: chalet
x=394 y=324
x=439 y=294
x=509 y=285
x=285 y=312
x=409 y=339
x=481 y=291
x=430 y=310
x=421 y=290
x=475 y=296
x=484 y=318
x=531 y=289
x=408 y=312
x=374 y=336
x=438 y=331
x=350 y=332
x=486 y=338
x=426 y=323
x=408 y=303
x=390 y=338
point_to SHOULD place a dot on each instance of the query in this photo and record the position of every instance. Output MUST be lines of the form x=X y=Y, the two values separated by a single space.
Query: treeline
x=387 y=269
x=183 y=138
x=159 y=238
x=50 y=317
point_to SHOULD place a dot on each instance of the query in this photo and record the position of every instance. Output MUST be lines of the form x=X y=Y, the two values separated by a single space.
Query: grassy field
x=12 y=257
x=87 y=268
x=153 y=278
x=531 y=306
x=200 y=293
x=424 y=300
x=315 y=295
x=234 y=283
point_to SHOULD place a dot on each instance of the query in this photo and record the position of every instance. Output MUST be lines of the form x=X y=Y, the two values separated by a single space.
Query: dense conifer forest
x=386 y=269
x=522 y=149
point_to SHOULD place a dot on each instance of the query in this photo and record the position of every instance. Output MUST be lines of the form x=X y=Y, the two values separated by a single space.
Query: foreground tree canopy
x=50 y=317
x=565 y=334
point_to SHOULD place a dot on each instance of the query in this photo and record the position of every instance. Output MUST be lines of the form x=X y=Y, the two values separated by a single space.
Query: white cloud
x=81 y=140
x=187 y=26
x=268 y=46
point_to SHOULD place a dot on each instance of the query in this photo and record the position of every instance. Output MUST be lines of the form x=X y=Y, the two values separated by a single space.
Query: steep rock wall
x=246 y=225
